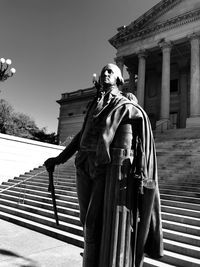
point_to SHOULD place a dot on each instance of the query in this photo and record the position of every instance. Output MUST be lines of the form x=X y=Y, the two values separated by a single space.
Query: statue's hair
x=120 y=79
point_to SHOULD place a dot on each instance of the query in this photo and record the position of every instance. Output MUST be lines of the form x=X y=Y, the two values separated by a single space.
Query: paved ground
x=21 y=247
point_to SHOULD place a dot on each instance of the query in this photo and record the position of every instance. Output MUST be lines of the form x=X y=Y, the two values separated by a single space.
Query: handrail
x=22 y=192
x=21 y=182
x=24 y=182
x=161 y=125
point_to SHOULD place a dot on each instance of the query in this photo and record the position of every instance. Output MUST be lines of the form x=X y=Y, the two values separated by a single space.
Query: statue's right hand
x=50 y=164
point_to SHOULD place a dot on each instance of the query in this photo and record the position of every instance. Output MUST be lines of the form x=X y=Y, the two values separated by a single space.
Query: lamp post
x=5 y=70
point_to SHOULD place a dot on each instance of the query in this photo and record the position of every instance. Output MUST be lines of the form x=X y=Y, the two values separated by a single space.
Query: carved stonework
x=194 y=36
x=132 y=32
x=142 y=54
x=165 y=46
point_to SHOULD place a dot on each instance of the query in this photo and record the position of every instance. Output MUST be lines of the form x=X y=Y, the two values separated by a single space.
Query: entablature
x=128 y=33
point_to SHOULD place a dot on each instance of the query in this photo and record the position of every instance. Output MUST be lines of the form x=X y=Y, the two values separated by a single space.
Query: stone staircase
x=179 y=182
x=28 y=203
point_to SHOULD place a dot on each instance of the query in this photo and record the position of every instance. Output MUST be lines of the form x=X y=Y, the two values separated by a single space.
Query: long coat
x=120 y=109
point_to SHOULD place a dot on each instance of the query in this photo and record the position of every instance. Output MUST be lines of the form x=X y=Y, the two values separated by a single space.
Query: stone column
x=194 y=119
x=120 y=63
x=141 y=77
x=165 y=86
x=131 y=71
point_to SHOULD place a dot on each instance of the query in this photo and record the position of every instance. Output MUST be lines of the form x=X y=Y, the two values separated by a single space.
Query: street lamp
x=5 y=70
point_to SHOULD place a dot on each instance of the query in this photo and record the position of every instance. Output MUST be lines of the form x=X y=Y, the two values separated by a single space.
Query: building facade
x=73 y=107
x=161 y=52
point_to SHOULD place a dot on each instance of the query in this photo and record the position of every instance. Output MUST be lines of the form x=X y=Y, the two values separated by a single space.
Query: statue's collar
x=113 y=91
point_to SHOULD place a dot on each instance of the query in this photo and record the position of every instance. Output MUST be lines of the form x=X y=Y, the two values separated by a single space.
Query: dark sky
x=56 y=46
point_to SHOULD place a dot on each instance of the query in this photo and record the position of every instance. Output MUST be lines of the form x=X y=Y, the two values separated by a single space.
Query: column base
x=193 y=122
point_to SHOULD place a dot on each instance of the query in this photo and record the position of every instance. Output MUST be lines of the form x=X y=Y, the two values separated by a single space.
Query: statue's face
x=109 y=75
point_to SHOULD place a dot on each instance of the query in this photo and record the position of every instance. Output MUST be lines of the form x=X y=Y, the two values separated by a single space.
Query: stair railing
x=23 y=182
x=22 y=193
x=20 y=183
x=161 y=125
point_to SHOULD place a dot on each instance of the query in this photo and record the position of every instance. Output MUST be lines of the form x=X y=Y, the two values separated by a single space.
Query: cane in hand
x=52 y=190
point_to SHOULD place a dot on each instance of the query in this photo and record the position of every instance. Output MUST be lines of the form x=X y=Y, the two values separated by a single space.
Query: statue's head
x=111 y=76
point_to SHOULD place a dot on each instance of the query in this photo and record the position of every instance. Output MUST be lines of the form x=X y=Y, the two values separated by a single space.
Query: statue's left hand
x=50 y=164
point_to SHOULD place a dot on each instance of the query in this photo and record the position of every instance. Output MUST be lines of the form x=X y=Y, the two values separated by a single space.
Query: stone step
x=54 y=232
x=193 y=240
x=29 y=187
x=181 y=219
x=181 y=227
x=44 y=186
x=46 y=177
x=182 y=248
x=179 y=183
x=181 y=211
x=46 y=181
x=62 y=175
x=187 y=176
x=62 y=172
x=41 y=203
x=180 y=260
x=177 y=204
x=184 y=188
x=172 y=259
x=41 y=198
x=155 y=263
x=180 y=193
x=69 y=165
x=180 y=198
x=65 y=215
x=179 y=177
x=64 y=226
x=62 y=195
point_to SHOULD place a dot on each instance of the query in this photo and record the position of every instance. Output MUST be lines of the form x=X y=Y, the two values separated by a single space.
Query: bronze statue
x=117 y=181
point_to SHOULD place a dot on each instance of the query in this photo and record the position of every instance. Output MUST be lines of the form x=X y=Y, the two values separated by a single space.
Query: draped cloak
x=118 y=110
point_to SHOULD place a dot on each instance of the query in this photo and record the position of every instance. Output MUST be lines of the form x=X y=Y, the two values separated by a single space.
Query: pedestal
x=193 y=122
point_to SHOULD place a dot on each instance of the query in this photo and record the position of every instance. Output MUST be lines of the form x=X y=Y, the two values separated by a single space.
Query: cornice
x=78 y=94
x=152 y=14
x=127 y=35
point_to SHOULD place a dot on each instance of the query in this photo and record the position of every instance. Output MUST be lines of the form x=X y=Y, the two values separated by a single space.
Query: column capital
x=194 y=36
x=165 y=45
x=142 y=54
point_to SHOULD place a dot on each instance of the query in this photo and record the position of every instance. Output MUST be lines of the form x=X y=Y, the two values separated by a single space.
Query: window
x=174 y=86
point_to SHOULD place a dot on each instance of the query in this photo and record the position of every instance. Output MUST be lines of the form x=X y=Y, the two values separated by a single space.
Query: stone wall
x=18 y=155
